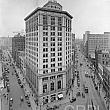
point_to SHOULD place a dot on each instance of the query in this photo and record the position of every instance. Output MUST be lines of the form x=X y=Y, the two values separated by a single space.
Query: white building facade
x=93 y=41
x=49 y=52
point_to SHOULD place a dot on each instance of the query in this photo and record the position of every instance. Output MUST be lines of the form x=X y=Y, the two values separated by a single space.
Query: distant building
x=91 y=41
x=6 y=43
x=49 y=52
x=18 y=44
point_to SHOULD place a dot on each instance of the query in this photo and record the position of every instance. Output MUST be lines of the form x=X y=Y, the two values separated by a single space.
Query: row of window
x=52 y=38
x=52 y=77
x=52 y=70
x=52 y=28
x=52 y=33
x=52 y=86
x=52 y=49
x=32 y=48
x=53 y=20
x=52 y=65
x=52 y=60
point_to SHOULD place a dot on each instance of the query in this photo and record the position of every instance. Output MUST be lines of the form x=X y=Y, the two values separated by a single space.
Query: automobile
x=81 y=64
x=19 y=81
x=78 y=84
x=56 y=107
x=28 y=103
x=96 y=88
x=21 y=98
x=26 y=97
x=73 y=100
x=78 y=94
x=86 y=74
x=83 y=95
x=86 y=89
x=21 y=85
x=11 y=100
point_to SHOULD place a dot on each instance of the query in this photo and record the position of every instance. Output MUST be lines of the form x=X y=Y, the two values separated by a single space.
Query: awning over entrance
x=60 y=95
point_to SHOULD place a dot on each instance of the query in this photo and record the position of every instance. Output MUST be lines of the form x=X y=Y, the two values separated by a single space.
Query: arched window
x=59 y=84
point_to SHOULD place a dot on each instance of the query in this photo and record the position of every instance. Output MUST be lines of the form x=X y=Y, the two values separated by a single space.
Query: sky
x=88 y=15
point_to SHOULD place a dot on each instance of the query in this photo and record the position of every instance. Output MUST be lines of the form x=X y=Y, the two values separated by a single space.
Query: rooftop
x=50 y=6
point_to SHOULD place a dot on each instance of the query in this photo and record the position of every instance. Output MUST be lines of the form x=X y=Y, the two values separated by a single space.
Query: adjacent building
x=49 y=52
x=91 y=41
x=18 y=44
x=104 y=57
x=106 y=84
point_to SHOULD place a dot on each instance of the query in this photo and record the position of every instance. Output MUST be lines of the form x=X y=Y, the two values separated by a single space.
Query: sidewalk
x=27 y=88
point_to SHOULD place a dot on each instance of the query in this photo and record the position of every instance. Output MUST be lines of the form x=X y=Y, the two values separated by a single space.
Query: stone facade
x=49 y=52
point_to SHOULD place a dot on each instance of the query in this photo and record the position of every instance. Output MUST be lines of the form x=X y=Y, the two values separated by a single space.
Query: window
x=52 y=20
x=60 y=54
x=45 y=55
x=52 y=77
x=52 y=59
x=59 y=38
x=45 y=71
x=45 y=33
x=45 y=27
x=59 y=28
x=45 y=20
x=45 y=60
x=52 y=28
x=52 y=38
x=51 y=86
x=45 y=49
x=59 y=33
x=45 y=44
x=59 y=64
x=52 y=33
x=59 y=48
x=60 y=59
x=59 y=84
x=59 y=21
x=52 y=54
x=53 y=65
x=59 y=43
x=52 y=49
x=59 y=69
x=52 y=70
x=45 y=38
x=52 y=43
x=45 y=66
x=44 y=88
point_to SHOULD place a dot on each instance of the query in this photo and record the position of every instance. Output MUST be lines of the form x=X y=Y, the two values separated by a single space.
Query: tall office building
x=93 y=41
x=49 y=52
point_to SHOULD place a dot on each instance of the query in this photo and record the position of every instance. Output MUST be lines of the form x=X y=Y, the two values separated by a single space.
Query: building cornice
x=48 y=10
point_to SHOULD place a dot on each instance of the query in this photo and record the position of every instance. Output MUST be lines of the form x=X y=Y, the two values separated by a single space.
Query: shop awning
x=60 y=95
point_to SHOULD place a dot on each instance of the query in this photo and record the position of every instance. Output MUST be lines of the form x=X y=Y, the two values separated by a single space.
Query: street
x=89 y=101
x=93 y=97
x=15 y=90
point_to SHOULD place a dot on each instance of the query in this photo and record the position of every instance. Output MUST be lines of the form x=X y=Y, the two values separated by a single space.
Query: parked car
x=21 y=85
x=28 y=103
x=73 y=100
x=86 y=89
x=21 y=98
x=26 y=97
x=78 y=94
x=56 y=107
